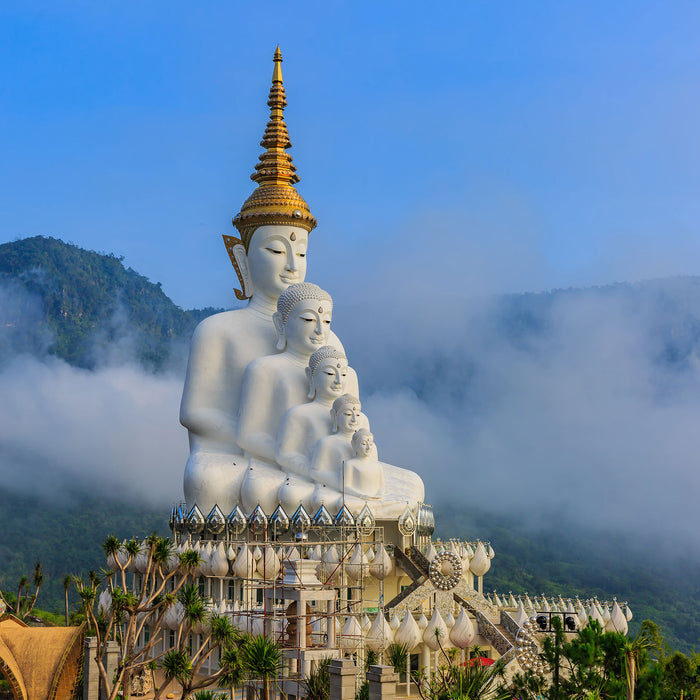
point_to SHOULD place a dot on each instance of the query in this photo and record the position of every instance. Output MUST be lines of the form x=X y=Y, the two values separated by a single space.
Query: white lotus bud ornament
x=462 y=634
x=436 y=633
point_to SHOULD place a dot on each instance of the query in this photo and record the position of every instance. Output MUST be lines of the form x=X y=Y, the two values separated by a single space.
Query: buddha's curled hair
x=298 y=292
x=325 y=353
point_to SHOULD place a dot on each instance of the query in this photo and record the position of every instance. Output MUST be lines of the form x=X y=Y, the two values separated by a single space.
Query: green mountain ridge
x=90 y=300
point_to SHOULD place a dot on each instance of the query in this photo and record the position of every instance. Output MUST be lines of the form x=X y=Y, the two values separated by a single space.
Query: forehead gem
x=293 y=236
x=320 y=309
x=338 y=365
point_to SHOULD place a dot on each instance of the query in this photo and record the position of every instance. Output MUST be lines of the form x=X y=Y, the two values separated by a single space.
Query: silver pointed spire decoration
x=301 y=522
x=279 y=521
x=178 y=518
x=195 y=520
x=323 y=517
x=216 y=522
x=258 y=519
x=407 y=522
x=344 y=518
x=236 y=521
x=365 y=521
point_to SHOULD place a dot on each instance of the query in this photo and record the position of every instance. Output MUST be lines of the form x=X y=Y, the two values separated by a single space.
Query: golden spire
x=275 y=201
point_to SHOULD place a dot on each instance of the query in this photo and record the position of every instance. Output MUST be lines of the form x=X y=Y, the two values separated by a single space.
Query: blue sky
x=460 y=147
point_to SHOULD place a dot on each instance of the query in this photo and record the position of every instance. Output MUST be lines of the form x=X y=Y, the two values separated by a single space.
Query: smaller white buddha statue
x=363 y=474
x=303 y=426
x=274 y=383
x=331 y=451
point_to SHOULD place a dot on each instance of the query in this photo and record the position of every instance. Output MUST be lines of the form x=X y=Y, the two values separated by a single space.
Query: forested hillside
x=88 y=302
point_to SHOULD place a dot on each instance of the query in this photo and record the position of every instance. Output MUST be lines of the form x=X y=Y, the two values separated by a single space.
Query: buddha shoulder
x=234 y=326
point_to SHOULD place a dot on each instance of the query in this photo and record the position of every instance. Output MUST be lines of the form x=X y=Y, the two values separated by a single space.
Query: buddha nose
x=291 y=263
x=319 y=326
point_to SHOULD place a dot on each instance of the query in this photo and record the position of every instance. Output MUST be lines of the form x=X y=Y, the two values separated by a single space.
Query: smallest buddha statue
x=364 y=475
x=333 y=450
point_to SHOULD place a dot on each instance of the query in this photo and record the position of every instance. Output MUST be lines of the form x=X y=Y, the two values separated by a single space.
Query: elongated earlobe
x=244 y=276
x=279 y=327
x=312 y=388
x=334 y=419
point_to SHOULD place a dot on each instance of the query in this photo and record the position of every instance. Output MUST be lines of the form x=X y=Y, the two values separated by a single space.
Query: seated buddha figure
x=363 y=474
x=331 y=451
x=222 y=347
x=304 y=425
x=345 y=469
x=275 y=383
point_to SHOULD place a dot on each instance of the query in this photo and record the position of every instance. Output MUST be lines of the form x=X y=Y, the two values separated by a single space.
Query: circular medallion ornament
x=445 y=571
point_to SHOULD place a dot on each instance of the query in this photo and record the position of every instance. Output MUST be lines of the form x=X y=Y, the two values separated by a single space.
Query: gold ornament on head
x=275 y=201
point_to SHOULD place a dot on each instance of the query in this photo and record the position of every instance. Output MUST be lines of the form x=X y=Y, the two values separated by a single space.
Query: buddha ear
x=312 y=388
x=334 y=420
x=243 y=270
x=279 y=327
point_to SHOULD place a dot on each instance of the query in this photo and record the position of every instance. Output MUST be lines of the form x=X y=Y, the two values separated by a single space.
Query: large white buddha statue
x=274 y=225
x=263 y=419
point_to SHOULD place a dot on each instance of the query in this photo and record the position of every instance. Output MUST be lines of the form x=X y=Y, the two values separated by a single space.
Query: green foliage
x=66 y=534
x=318 y=683
x=363 y=691
x=396 y=656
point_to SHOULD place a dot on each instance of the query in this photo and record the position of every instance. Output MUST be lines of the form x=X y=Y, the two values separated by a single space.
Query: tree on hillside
x=632 y=648
x=66 y=588
x=23 y=604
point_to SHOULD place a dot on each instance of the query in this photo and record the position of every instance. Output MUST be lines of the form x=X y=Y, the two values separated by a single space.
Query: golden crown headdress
x=275 y=201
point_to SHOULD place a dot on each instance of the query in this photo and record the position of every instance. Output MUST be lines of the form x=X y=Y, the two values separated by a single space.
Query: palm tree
x=234 y=671
x=631 y=650
x=24 y=581
x=262 y=659
x=177 y=665
x=66 y=586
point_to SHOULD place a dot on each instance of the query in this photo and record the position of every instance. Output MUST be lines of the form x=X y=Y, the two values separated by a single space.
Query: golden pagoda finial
x=275 y=201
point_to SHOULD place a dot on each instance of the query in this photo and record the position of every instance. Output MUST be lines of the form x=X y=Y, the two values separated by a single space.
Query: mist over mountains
x=570 y=411
x=580 y=404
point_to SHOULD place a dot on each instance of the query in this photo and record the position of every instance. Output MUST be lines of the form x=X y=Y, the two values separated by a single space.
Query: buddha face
x=348 y=418
x=277 y=258
x=329 y=378
x=363 y=444
x=308 y=326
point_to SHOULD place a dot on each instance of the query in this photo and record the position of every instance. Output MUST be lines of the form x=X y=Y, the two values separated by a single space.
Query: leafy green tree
x=679 y=675
x=632 y=650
